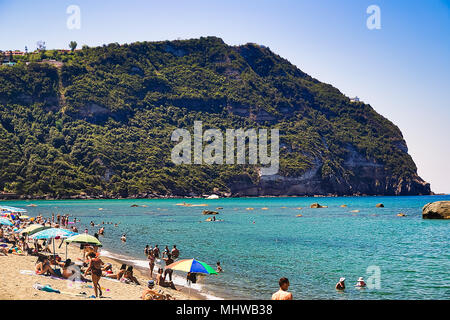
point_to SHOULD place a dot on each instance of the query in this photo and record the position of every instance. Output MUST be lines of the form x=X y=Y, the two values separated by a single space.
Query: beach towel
x=32 y=273
x=47 y=288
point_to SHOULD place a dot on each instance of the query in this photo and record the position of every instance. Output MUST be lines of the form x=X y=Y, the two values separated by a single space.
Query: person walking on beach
x=146 y=250
x=341 y=284
x=95 y=267
x=282 y=293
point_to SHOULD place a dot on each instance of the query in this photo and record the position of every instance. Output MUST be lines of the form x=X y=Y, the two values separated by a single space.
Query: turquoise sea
x=257 y=247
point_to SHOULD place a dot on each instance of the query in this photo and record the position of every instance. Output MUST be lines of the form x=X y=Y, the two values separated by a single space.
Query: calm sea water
x=257 y=247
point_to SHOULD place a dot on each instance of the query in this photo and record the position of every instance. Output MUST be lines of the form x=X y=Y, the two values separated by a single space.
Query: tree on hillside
x=73 y=45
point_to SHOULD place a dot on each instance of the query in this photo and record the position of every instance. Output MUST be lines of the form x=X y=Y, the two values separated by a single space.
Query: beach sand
x=17 y=286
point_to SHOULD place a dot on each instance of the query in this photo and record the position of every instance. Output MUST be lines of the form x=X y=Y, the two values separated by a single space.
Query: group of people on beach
x=169 y=257
x=90 y=264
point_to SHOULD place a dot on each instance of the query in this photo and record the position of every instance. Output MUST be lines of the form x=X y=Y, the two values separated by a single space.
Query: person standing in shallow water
x=282 y=293
x=151 y=262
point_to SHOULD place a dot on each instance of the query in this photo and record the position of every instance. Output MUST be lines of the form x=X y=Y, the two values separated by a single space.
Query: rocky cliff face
x=370 y=178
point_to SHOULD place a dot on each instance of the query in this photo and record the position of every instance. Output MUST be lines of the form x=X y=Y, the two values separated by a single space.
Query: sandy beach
x=16 y=282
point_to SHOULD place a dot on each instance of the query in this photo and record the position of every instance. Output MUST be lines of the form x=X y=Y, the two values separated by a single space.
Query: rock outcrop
x=436 y=210
x=209 y=212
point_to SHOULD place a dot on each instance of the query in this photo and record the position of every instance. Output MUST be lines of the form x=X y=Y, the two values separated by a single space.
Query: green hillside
x=101 y=124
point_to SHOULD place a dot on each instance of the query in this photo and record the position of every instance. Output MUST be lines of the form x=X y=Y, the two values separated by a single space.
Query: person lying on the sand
x=118 y=275
x=128 y=276
x=4 y=251
x=107 y=269
x=160 y=280
x=43 y=267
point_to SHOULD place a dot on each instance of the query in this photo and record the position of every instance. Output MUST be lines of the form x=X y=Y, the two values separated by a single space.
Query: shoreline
x=30 y=198
x=193 y=292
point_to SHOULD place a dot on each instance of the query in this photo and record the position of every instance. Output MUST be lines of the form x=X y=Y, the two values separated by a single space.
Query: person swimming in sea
x=219 y=268
x=341 y=284
x=360 y=283
x=123 y=238
x=283 y=293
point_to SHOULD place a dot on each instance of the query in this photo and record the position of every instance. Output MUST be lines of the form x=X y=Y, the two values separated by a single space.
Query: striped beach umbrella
x=192 y=265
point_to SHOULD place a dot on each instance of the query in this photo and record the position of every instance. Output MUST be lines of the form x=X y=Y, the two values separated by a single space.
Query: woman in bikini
x=95 y=266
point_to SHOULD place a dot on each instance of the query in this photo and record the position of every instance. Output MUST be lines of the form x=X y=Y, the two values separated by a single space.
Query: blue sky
x=402 y=69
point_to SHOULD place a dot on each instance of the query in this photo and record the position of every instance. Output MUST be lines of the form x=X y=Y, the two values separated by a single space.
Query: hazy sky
x=402 y=69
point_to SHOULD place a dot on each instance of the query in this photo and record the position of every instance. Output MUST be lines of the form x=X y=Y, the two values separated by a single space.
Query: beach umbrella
x=34 y=228
x=52 y=233
x=192 y=265
x=6 y=222
x=84 y=239
x=12 y=209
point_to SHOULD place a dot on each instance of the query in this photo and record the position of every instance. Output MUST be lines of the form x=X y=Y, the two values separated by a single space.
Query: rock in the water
x=436 y=210
x=209 y=212
x=316 y=205
x=134 y=205
x=379 y=205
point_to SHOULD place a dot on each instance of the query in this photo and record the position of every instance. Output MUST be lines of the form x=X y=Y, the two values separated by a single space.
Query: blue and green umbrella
x=6 y=222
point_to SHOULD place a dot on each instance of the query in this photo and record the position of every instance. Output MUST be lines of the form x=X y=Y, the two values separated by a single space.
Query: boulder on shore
x=209 y=212
x=436 y=210
x=379 y=205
